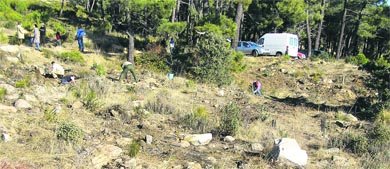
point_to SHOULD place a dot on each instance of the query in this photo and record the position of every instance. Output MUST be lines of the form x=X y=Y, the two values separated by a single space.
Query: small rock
x=333 y=150
x=212 y=160
x=263 y=69
x=283 y=70
x=206 y=101
x=22 y=104
x=193 y=165
x=132 y=163
x=77 y=105
x=4 y=108
x=342 y=124
x=148 y=139
x=256 y=147
x=6 y=137
x=138 y=103
x=9 y=88
x=12 y=59
x=216 y=105
x=184 y=144
x=238 y=147
x=104 y=154
x=221 y=93
x=123 y=142
x=229 y=139
x=12 y=97
x=199 y=139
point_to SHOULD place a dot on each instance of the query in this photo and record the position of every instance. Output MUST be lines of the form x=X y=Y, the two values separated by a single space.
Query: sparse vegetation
x=359 y=59
x=50 y=115
x=73 y=56
x=23 y=83
x=100 y=69
x=3 y=92
x=198 y=120
x=230 y=119
x=133 y=149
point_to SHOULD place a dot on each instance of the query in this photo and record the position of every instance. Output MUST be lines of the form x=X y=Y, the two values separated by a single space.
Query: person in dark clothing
x=68 y=79
x=58 y=39
x=42 y=32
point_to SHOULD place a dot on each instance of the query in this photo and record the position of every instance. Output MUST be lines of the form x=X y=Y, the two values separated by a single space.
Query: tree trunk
x=130 y=53
x=62 y=7
x=308 y=35
x=318 y=38
x=92 y=6
x=238 y=24
x=355 y=38
x=102 y=9
x=340 y=44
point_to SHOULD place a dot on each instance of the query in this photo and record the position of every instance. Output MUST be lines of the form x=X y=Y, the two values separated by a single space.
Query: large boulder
x=104 y=154
x=9 y=88
x=199 y=139
x=10 y=109
x=287 y=150
x=22 y=104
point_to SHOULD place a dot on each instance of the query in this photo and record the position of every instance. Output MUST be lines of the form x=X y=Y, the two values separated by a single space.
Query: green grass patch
x=23 y=83
x=133 y=149
x=100 y=69
x=3 y=92
x=72 y=56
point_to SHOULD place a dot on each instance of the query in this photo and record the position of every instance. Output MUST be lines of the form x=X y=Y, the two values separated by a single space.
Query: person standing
x=58 y=39
x=36 y=37
x=126 y=67
x=42 y=32
x=79 y=36
x=20 y=32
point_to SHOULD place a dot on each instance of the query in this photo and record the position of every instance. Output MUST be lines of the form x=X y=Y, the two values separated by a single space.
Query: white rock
x=10 y=89
x=199 y=139
x=22 y=104
x=256 y=147
x=123 y=142
x=12 y=59
x=12 y=97
x=138 y=103
x=229 y=139
x=104 y=154
x=148 y=139
x=6 y=137
x=221 y=93
x=193 y=165
x=184 y=144
x=10 y=109
x=288 y=149
x=132 y=163
x=30 y=98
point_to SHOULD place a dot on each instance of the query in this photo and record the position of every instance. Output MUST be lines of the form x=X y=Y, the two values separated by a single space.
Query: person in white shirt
x=55 y=70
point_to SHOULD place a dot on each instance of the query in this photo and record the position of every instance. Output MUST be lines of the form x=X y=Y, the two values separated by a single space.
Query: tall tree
x=241 y=6
x=340 y=45
x=319 y=30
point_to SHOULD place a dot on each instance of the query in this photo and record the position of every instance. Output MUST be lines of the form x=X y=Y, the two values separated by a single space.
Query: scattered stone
x=287 y=151
x=221 y=93
x=256 y=148
x=12 y=97
x=22 y=104
x=123 y=142
x=263 y=69
x=183 y=144
x=283 y=70
x=10 y=109
x=229 y=139
x=212 y=160
x=30 y=98
x=132 y=163
x=138 y=103
x=77 y=105
x=6 y=137
x=238 y=147
x=148 y=139
x=342 y=124
x=333 y=150
x=193 y=165
x=104 y=154
x=206 y=101
x=199 y=139
x=10 y=89
x=12 y=59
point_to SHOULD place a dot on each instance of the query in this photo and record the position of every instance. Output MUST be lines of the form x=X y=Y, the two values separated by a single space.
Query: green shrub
x=198 y=120
x=23 y=83
x=231 y=119
x=10 y=25
x=382 y=62
x=91 y=101
x=69 y=132
x=355 y=142
x=360 y=59
x=380 y=134
x=238 y=65
x=133 y=149
x=3 y=92
x=72 y=56
x=153 y=61
x=100 y=69
x=3 y=38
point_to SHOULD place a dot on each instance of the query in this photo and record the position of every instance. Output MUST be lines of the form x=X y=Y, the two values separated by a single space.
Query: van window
x=291 y=42
x=261 y=41
x=239 y=44
x=246 y=44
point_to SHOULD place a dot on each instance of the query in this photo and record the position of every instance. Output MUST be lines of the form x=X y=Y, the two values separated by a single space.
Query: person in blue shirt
x=79 y=36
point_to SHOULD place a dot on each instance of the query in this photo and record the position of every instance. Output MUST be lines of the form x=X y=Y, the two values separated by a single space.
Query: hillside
x=114 y=118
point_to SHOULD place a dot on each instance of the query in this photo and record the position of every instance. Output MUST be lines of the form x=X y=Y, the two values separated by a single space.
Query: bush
x=231 y=119
x=69 y=132
x=153 y=61
x=383 y=117
x=209 y=61
x=50 y=115
x=133 y=149
x=3 y=92
x=380 y=134
x=10 y=25
x=3 y=38
x=100 y=69
x=360 y=59
x=72 y=56
x=238 y=64
x=25 y=82
x=356 y=143
x=197 y=120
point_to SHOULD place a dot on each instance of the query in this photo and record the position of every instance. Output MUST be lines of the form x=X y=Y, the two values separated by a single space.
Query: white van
x=279 y=44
